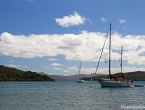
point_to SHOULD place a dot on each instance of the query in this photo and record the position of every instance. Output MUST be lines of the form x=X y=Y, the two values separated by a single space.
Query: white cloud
x=28 y=0
x=24 y=66
x=89 y=20
x=121 y=21
x=57 y=68
x=66 y=71
x=46 y=67
x=72 y=70
x=85 y=46
x=56 y=64
x=16 y=66
x=103 y=19
x=13 y=66
x=51 y=59
x=31 y=0
x=71 y=20
x=11 y=61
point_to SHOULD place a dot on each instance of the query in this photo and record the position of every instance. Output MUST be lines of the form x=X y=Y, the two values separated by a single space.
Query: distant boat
x=138 y=85
x=80 y=80
x=114 y=81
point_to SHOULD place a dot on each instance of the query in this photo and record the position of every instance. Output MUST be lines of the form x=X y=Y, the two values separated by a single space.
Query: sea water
x=69 y=95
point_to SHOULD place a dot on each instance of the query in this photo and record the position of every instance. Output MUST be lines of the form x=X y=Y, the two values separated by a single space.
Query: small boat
x=80 y=80
x=138 y=85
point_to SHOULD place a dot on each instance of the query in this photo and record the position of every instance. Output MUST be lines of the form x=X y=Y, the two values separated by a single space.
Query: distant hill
x=135 y=76
x=13 y=74
x=71 y=77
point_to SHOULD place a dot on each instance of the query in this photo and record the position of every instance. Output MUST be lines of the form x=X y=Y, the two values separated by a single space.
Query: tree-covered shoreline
x=13 y=74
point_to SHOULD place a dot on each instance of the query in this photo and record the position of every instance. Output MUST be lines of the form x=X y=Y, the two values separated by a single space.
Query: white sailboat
x=114 y=81
x=80 y=80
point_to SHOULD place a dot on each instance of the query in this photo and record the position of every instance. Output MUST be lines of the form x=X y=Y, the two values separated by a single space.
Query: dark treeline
x=13 y=74
x=135 y=76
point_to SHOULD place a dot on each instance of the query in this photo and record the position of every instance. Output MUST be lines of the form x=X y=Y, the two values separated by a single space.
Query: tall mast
x=80 y=70
x=121 y=58
x=110 y=52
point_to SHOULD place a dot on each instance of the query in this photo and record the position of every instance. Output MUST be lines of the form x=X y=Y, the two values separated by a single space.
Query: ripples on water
x=67 y=95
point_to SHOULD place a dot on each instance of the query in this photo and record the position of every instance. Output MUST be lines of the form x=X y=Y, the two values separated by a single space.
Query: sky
x=54 y=36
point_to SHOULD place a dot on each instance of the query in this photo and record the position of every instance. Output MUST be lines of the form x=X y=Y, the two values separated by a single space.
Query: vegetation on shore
x=13 y=74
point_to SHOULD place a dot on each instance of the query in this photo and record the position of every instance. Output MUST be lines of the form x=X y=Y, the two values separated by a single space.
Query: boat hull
x=113 y=84
x=81 y=81
x=138 y=85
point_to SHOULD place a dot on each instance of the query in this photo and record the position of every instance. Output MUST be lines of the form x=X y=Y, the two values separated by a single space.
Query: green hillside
x=13 y=74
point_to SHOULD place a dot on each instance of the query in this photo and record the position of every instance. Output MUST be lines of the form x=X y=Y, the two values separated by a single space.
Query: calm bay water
x=68 y=95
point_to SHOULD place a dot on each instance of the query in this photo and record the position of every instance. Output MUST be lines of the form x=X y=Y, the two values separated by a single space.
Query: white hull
x=114 y=84
x=81 y=81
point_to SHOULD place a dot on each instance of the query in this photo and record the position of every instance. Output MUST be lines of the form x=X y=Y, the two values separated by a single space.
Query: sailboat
x=80 y=80
x=114 y=81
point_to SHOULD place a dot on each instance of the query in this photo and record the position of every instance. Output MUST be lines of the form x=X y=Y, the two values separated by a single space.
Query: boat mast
x=110 y=53
x=121 y=58
x=80 y=70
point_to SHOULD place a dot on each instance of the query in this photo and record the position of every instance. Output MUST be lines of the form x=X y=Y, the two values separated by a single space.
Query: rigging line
x=101 y=52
